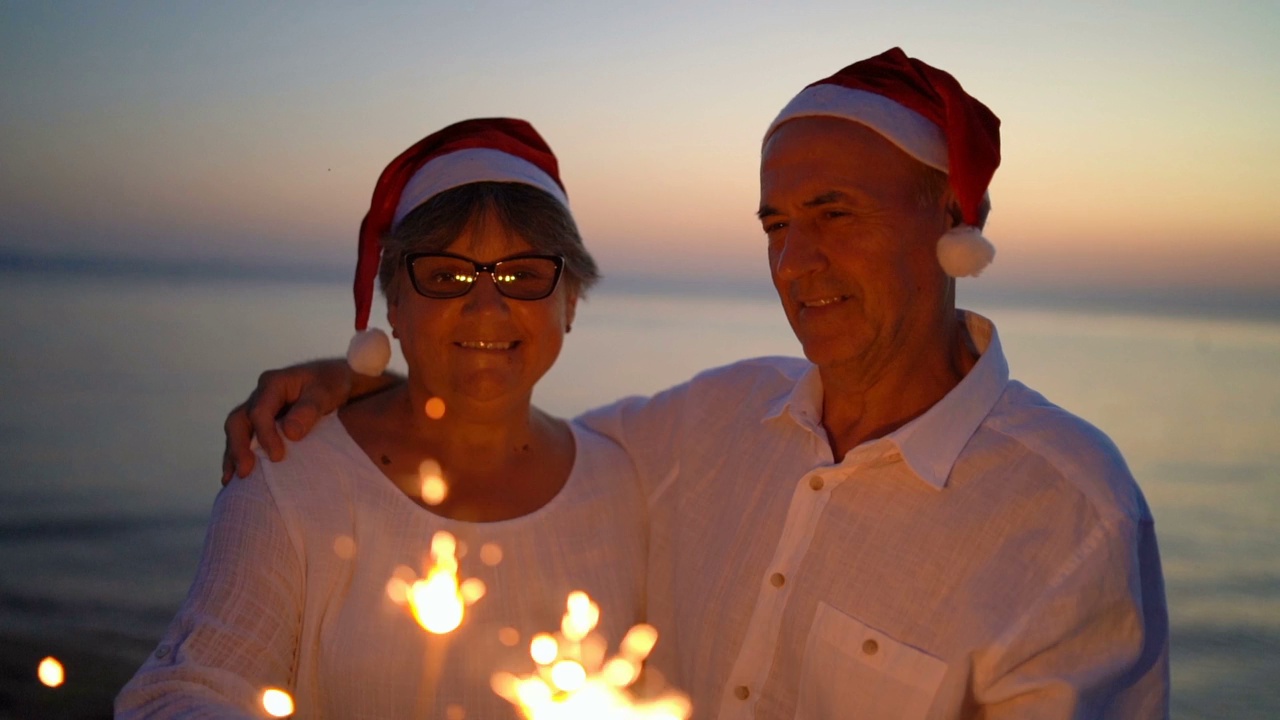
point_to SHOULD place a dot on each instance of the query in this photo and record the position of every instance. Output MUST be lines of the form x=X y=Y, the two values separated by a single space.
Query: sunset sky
x=1141 y=139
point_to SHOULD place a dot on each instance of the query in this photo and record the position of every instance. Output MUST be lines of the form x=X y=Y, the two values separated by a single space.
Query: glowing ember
x=434 y=489
x=574 y=680
x=277 y=702
x=472 y=589
x=50 y=672
x=490 y=554
x=509 y=636
x=344 y=547
x=544 y=649
x=435 y=408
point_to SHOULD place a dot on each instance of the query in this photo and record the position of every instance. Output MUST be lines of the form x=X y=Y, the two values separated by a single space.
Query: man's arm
x=304 y=393
x=1096 y=644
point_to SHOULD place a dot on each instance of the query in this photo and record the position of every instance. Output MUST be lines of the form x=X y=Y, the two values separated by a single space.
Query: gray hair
x=932 y=184
x=527 y=211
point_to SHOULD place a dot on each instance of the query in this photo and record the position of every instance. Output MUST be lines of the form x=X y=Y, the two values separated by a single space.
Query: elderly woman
x=482 y=267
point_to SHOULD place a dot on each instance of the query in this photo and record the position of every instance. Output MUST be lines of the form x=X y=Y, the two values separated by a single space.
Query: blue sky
x=1139 y=137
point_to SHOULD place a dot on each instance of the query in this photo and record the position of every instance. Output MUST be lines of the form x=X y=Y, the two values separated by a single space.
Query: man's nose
x=799 y=253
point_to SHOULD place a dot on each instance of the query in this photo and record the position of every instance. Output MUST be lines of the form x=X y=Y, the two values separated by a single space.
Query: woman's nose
x=484 y=295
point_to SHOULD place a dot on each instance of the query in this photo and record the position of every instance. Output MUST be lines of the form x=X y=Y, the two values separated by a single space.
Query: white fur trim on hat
x=369 y=352
x=964 y=252
x=472 y=165
x=909 y=130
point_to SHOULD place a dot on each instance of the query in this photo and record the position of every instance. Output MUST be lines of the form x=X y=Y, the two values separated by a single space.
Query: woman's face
x=481 y=349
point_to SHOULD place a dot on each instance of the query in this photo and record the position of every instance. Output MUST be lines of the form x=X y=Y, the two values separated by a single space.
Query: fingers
x=300 y=419
x=237 y=453
x=264 y=405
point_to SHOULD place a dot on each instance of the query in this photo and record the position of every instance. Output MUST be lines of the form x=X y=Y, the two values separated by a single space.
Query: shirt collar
x=803 y=403
x=931 y=443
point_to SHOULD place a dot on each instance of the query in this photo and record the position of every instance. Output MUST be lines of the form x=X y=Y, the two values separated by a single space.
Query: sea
x=114 y=386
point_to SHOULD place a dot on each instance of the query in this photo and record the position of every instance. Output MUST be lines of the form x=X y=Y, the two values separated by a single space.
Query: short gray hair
x=931 y=185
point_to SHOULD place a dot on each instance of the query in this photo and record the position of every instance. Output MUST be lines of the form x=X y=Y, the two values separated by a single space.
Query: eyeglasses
x=519 y=277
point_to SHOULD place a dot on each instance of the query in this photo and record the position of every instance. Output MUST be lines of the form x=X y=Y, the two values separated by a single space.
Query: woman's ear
x=570 y=309
x=393 y=312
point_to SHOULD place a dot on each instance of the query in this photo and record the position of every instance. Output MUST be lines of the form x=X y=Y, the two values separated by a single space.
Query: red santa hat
x=480 y=150
x=926 y=113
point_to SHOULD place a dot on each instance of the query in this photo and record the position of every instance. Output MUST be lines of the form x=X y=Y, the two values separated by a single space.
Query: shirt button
x=816 y=483
x=162 y=651
x=777 y=579
x=870 y=647
x=742 y=692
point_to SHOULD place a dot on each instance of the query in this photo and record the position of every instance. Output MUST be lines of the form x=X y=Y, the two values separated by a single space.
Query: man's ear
x=951 y=206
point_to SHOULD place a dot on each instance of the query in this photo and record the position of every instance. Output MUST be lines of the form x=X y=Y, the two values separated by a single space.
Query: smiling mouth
x=483 y=345
x=823 y=302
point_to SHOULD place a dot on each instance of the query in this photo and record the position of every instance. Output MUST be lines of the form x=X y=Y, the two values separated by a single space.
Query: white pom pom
x=964 y=252
x=369 y=352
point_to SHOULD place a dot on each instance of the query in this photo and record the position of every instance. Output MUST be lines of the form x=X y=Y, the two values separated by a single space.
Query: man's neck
x=858 y=406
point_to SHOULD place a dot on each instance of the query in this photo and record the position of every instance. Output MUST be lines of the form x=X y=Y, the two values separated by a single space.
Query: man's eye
x=774 y=226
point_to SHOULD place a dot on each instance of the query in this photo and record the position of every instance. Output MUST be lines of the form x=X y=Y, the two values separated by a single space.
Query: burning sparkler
x=573 y=680
x=438 y=601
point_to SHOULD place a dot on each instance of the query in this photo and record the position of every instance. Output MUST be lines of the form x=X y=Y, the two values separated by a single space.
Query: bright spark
x=435 y=408
x=50 y=672
x=574 y=680
x=434 y=489
x=277 y=702
x=344 y=546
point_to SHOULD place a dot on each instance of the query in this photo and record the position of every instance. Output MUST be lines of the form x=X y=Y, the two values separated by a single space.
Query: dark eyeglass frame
x=479 y=267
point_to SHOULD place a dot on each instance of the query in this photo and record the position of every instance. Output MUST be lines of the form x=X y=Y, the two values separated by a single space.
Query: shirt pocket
x=853 y=671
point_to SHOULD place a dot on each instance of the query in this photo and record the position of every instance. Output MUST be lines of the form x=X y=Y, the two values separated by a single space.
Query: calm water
x=113 y=390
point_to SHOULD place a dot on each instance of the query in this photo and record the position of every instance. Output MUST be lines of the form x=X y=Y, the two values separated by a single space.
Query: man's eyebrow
x=824 y=199
x=827 y=198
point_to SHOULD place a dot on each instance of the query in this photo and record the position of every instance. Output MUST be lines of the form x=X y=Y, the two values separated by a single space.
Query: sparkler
x=574 y=681
x=439 y=601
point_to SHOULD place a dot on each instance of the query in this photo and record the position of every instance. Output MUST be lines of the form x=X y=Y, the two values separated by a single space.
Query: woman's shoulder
x=318 y=469
x=601 y=465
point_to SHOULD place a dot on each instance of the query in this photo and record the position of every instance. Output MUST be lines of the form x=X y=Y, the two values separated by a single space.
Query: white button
x=870 y=647
x=162 y=651
x=777 y=579
x=742 y=692
x=816 y=483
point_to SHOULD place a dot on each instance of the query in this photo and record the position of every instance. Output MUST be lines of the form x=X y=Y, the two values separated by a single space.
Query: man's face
x=852 y=247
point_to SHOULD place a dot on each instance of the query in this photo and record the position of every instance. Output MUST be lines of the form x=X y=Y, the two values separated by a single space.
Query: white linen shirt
x=291 y=591
x=992 y=558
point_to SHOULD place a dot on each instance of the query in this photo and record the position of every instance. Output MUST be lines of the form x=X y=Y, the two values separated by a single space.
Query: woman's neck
x=496 y=463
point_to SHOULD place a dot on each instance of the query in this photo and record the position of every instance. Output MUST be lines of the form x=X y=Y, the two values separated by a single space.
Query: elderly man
x=891 y=527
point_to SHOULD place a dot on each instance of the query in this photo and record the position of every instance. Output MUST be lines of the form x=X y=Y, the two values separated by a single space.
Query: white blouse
x=291 y=591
